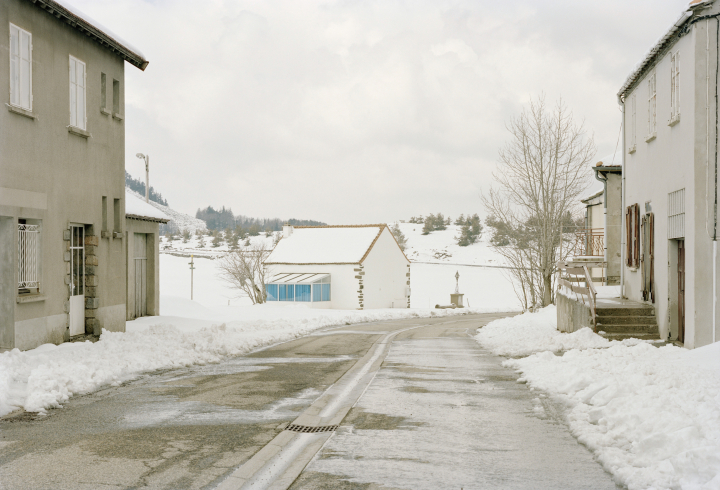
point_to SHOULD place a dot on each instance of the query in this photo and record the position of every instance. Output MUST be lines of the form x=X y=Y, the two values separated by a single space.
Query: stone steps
x=629 y=322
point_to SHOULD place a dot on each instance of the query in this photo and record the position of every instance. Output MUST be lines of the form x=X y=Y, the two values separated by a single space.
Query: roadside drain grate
x=307 y=428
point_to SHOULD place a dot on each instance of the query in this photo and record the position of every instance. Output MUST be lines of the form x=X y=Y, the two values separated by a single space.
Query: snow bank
x=650 y=415
x=46 y=377
x=528 y=333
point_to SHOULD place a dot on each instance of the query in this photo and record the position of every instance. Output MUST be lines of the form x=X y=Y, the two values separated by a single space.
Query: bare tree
x=244 y=270
x=543 y=170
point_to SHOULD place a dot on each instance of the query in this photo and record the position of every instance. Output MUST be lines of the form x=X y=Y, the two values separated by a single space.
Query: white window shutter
x=73 y=94
x=14 y=65
x=25 y=70
x=677 y=83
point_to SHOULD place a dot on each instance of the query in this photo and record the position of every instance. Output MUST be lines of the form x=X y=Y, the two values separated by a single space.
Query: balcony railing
x=590 y=242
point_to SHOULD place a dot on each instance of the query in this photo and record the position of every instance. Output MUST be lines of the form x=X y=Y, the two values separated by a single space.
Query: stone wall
x=572 y=315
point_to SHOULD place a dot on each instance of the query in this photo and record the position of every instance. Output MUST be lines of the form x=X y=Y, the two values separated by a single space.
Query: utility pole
x=192 y=268
x=147 y=174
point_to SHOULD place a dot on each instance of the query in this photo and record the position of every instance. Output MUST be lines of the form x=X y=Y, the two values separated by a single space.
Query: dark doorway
x=681 y=290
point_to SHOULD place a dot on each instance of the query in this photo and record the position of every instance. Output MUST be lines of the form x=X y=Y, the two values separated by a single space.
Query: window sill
x=117 y=234
x=78 y=132
x=30 y=298
x=632 y=149
x=20 y=111
x=650 y=137
x=674 y=120
x=104 y=112
x=117 y=116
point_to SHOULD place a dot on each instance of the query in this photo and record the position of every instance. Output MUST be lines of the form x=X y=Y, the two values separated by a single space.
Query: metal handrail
x=590 y=242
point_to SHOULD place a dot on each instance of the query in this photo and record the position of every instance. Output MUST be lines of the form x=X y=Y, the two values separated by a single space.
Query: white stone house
x=670 y=194
x=340 y=267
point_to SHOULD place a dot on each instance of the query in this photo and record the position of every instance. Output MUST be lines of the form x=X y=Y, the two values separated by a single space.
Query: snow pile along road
x=528 y=333
x=46 y=377
x=650 y=415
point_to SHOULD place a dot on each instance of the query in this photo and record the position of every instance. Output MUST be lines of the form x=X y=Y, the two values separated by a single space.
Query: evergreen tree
x=399 y=236
x=460 y=220
x=429 y=224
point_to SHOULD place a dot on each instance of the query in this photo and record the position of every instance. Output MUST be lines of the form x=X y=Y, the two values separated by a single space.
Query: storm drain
x=307 y=428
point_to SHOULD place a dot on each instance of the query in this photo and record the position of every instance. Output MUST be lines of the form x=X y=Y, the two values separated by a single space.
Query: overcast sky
x=360 y=111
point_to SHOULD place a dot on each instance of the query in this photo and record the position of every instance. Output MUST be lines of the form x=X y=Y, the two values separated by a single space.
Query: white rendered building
x=341 y=267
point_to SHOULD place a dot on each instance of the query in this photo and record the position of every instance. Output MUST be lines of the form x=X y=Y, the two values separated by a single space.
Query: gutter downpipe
x=623 y=238
x=605 y=241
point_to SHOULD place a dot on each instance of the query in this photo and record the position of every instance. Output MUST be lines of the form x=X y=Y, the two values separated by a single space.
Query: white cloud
x=350 y=111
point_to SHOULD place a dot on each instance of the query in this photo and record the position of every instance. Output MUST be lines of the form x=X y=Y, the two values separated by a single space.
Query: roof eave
x=96 y=33
x=653 y=53
x=146 y=218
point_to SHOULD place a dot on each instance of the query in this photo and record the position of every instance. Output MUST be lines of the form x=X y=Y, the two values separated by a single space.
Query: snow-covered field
x=650 y=415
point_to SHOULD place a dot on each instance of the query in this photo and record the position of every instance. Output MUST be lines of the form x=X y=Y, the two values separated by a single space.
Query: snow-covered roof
x=649 y=57
x=611 y=160
x=136 y=208
x=90 y=27
x=326 y=245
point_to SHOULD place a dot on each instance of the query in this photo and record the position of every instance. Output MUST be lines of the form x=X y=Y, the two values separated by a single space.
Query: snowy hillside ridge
x=208 y=249
x=650 y=415
x=177 y=220
x=441 y=247
x=48 y=376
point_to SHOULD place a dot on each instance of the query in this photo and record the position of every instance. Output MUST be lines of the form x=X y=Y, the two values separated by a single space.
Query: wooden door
x=681 y=290
x=140 y=274
x=647 y=257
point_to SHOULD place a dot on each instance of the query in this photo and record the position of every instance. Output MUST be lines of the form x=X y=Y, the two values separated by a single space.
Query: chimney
x=287 y=230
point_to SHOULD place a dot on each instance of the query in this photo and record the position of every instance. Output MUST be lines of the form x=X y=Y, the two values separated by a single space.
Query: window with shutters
x=674 y=89
x=632 y=235
x=20 y=68
x=633 y=124
x=78 y=116
x=652 y=108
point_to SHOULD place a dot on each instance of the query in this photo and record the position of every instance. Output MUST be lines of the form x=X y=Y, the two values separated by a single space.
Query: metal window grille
x=676 y=214
x=28 y=256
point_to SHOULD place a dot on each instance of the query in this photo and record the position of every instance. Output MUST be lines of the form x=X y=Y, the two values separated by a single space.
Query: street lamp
x=147 y=174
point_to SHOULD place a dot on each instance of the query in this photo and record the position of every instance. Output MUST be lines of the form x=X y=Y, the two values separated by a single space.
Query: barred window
x=28 y=257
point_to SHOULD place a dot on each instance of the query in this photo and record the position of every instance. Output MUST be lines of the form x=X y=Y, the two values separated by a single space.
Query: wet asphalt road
x=440 y=413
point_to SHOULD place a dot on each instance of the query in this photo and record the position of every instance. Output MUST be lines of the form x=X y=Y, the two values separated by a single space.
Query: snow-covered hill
x=441 y=247
x=178 y=221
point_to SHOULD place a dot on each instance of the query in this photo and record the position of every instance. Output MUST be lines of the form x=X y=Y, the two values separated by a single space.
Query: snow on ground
x=217 y=324
x=650 y=415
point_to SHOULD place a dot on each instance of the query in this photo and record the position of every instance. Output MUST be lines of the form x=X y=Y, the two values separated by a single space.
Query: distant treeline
x=139 y=187
x=222 y=219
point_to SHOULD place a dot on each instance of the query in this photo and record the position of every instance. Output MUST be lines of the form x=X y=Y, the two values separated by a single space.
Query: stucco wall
x=49 y=174
x=571 y=315
x=677 y=158
x=386 y=273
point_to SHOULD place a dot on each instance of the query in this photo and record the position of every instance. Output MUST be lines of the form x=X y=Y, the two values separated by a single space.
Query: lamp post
x=147 y=174
x=192 y=269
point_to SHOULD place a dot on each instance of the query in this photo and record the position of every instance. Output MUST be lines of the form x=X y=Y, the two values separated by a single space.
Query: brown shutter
x=636 y=255
x=651 y=243
x=643 y=275
x=628 y=237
